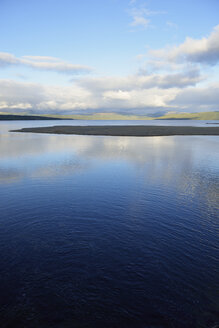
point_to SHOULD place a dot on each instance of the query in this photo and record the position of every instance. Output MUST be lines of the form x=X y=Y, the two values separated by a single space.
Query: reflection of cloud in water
x=55 y=170
x=165 y=159
x=8 y=175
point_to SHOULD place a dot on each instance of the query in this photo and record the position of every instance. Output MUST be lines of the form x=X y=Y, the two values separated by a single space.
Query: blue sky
x=109 y=56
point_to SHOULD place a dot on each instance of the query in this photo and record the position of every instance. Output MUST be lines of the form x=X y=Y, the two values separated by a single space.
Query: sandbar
x=128 y=130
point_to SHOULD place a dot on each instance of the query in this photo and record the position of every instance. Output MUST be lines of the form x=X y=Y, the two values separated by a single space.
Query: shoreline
x=124 y=130
x=12 y=117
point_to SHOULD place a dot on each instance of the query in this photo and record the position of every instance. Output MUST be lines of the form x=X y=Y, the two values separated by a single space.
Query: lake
x=110 y=232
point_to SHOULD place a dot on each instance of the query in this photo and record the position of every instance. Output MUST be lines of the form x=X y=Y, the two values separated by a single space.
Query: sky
x=123 y=56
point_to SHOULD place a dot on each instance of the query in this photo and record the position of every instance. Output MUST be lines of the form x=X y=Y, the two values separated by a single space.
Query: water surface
x=108 y=231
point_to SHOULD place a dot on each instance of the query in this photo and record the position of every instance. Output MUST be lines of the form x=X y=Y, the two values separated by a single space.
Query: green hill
x=113 y=116
x=192 y=116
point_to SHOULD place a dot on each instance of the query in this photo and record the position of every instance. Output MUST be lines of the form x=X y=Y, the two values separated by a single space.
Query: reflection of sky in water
x=165 y=157
x=189 y=164
x=184 y=165
x=157 y=194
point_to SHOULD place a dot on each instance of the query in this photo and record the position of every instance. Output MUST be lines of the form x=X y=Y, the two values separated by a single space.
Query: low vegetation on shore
x=113 y=116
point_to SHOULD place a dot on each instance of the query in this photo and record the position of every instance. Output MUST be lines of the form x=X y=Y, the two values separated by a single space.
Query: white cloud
x=129 y=95
x=41 y=58
x=140 y=16
x=131 y=2
x=205 y=50
x=43 y=63
x=201 y=98
x=144 y=98
x=172 y=25
x=142 y=81
x=7 y=59
x=169 y=81
x=117 y=95
x=49 y=98
x=140 y=21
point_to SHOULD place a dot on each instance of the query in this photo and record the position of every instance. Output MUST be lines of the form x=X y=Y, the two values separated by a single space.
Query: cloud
x=140 y=21
x=202 y=98
x=180 y=80
x=204 y=51
x=117 y=95
x=140 y=16
x=168 y=81
x=142 y=81
x=128 y=95
x=20 y=94
x=100 y=93
x=7 y=59
x=172 y=25
x=43 y=63
x=153 y=98
x=41 y=58
x=39 y=98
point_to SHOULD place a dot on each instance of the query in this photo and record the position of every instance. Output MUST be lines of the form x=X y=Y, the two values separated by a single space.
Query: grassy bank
x=114 y=116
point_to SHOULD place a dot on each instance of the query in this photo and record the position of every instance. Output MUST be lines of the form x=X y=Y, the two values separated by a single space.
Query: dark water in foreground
x=108 y=231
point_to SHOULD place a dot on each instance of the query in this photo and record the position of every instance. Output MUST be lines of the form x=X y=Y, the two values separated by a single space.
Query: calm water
x=108 y=231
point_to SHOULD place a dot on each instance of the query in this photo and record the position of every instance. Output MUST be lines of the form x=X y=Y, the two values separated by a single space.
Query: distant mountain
x=113 y=116
x=172 y=116
x=169 y=116
x=191 y=116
